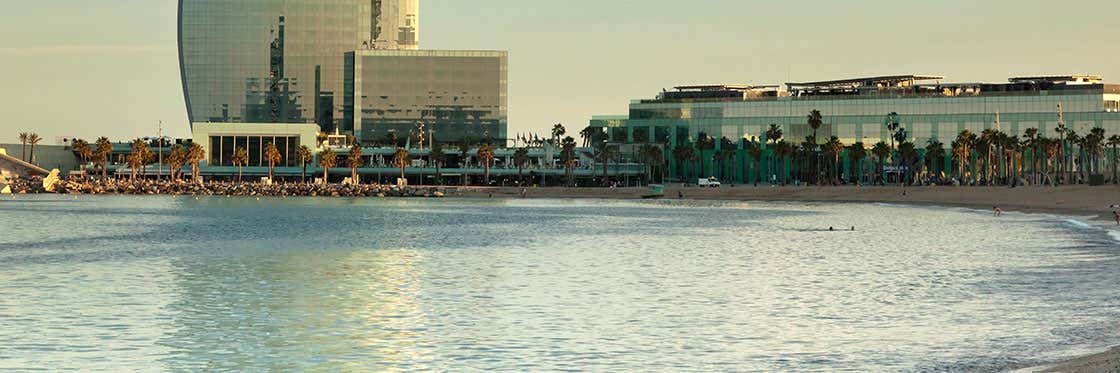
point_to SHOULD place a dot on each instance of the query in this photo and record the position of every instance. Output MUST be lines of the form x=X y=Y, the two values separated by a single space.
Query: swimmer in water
x=999 y=212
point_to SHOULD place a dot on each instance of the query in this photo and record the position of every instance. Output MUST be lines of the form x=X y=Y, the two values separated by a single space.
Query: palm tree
x=558 y=133
x=33 y=139
x=436 y=156
x=23 y=136
x=354 y=160
x=681 y=154
x=856 y=153
x=814 y=121
x=653 y=157
x=1072 y=139
x=987 y=143
x=962 y=151
x=568 y=156
x=240 y=159
x=704 y=142
x=327 y=159
x=1051 y=148
x=587 y=133
x=935 y=155
x=101 y=154
x=135 y=158
x=881 y=151
x=755 y=152
x=1095 y=146
x=402 y=159
x=834 y=147
x=82 y=150
x=1114 y=142
x=1030 y=141
x=175 y=162
x=273 y=157
x=908 y=155
x=782 y=149
x=303 y=153
x=195 y=154
x=603 y=154
x=486 y=155
x=521 y=158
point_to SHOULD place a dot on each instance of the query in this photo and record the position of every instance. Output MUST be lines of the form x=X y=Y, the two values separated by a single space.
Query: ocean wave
x=1114 y=235
x=1077 y=223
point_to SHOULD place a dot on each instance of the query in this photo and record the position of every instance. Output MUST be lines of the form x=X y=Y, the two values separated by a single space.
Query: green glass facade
x=456 y=94
x=852 y=119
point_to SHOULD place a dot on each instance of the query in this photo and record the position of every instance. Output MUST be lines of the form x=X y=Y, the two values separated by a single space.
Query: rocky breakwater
x=163 y=187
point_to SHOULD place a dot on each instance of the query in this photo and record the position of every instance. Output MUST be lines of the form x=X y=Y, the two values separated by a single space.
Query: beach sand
x=1093 y=204
x=1076 y=200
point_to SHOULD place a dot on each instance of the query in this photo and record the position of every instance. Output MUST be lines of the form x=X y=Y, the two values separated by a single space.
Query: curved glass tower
x=271 y=61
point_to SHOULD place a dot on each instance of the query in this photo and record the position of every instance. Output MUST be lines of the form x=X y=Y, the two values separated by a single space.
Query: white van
x=710 y=182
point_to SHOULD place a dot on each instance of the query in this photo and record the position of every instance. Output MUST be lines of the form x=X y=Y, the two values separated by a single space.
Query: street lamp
x=1062 y=141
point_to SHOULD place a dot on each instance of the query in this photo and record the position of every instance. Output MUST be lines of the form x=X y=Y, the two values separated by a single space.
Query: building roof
x=1056 y=78
x=867 y=81
x=721 y=87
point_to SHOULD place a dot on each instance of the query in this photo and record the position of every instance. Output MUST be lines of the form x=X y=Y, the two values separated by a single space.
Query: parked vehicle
x=710 y=182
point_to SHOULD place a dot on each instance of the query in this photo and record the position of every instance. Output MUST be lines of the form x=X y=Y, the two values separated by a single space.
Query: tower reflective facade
x=395 y=24
x=269 y=61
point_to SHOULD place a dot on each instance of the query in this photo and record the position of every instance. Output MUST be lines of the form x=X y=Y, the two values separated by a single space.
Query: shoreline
x=1092 y=203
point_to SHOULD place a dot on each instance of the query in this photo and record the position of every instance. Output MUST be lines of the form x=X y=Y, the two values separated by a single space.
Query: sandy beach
x=1075 y=200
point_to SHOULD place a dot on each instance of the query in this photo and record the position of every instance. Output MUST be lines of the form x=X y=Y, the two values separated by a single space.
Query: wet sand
x=1104 y=362
x=1076 y=200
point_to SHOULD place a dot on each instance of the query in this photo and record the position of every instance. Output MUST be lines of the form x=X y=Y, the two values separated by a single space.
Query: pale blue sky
x=109 y=67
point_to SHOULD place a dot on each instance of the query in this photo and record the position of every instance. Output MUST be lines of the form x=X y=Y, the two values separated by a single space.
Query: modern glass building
x=455 y=94
x=855 y=110
x=281 y=61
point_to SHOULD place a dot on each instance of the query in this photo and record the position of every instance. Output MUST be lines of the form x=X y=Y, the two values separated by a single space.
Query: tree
x=782 y=149
x=135 y=157
x=82 y=150
x=856 y=153
x=704 y=142
x=558 y=133
x=273 y=156
x=1030 y=141
x=588 y=133
x=568 y=156
x=33 y=139
x=1114 y=142
x=402 y=159
x=327 y=159
x=436 y=156
x=486 y=155
x=908 y=158
x=1094 y=147
x=774 y=133
x=521 y=159
x=175 y=162
x=833 y=148
x=101 y=154
x=195 y=154
x=935 y=155
x=303 y=153
x=814 y=121
x=881 y=151
x=653 y=157
x=1051 y=148
x=354 y=160
x=755 y=151
x=681 y=154
x=23 y=137
x=240 y=159
x=987 y=143
x=962 y=152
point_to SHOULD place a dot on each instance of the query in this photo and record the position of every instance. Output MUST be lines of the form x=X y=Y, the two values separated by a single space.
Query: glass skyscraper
x=281 y=61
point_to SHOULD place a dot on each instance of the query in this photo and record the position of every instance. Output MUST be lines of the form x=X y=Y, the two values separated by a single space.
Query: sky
x=89 y=68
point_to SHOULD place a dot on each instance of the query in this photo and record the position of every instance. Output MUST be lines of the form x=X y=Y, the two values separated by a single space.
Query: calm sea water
x=163 y=283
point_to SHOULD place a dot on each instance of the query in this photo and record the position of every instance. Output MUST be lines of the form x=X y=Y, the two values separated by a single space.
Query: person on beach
x=1116 y=216
x=998 y=211
x=680 y=194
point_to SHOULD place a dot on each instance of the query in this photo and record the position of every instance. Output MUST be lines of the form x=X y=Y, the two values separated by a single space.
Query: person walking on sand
x=680 y=194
